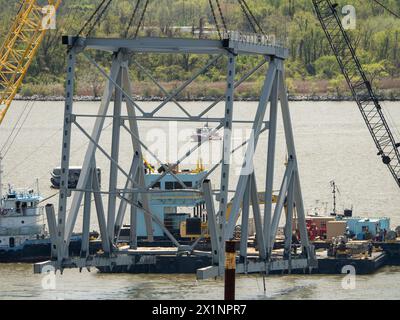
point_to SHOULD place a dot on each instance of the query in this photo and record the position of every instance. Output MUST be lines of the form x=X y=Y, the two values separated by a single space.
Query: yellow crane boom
x=20 y=47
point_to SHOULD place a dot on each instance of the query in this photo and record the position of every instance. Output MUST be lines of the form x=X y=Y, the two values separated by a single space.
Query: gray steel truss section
x=247 y=167
x=185 y=84
x=226 y=155
x=136 y=193
x=237 y=84
x=98 y=126
x=134 y=129
x=307 y=248
x=165 y=92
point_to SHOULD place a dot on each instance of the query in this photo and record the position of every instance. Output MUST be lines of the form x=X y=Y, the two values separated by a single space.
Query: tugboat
x=23 y=234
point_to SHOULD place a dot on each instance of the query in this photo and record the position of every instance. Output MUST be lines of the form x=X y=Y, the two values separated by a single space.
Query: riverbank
x=299 y=90
x=315 y=98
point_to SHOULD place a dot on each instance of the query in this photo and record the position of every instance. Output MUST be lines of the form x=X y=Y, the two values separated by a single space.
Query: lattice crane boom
x=359 y=85
x=20 y=47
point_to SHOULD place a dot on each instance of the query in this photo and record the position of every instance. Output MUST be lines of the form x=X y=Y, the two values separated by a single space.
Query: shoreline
x=295 y=98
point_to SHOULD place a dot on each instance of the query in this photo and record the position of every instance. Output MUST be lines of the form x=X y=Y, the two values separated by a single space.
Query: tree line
x=293 y=22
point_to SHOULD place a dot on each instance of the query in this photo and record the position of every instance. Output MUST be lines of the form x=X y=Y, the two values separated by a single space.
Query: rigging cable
x=91 y=17
x=250 y=12
x=222 y=16
x=215 y=19
x=132 y=18
x=99 y=7
x=141 y=19
x=247 y=16
x=99 y=18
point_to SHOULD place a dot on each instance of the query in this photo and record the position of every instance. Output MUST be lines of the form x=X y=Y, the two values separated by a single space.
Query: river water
x=332 y=143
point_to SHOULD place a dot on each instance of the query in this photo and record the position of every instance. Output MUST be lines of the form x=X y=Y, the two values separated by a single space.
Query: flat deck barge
x=164 y=260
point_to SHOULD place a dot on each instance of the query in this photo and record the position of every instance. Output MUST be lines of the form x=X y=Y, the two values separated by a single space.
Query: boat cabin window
x=18 y=206
x=157 y=186
x=176 y=185
x=12 y=242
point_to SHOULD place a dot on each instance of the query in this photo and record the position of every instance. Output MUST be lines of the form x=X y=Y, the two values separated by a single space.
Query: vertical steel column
x=280 y=203
x=101 y=217
x=212 y=223
x=51 y=222
x=66 y=148
x=134 y=128
x=227 y=146
x=269 y=183
x=289 y=223
x=128 y=185
x=87 y=204
x=257 y=216
x=133 y=222
x=116 y=132
x=244 y=234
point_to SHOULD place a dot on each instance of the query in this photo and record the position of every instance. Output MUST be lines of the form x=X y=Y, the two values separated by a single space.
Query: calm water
x=332 y=143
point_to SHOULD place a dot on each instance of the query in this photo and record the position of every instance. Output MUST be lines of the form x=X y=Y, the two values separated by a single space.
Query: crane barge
x=360 y=87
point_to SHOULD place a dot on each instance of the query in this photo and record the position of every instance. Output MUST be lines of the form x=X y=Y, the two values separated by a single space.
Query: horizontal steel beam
x=176 y=45
x=254 y=267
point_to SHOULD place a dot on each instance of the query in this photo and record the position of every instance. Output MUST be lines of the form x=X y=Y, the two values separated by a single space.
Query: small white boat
x=205 y=133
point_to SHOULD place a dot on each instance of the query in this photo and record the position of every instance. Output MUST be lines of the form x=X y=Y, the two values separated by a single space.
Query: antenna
x=333 y=185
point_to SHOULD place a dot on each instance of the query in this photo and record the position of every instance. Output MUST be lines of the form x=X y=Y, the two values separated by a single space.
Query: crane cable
x=99 y=16
x=215 y=19
x=14 y=128
x=247 y=16
x=141 y=18
x=132 y=18
x=246 y=9
x=222 y=16
x=100 y=10
x=387 y=9
x=18 y=131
